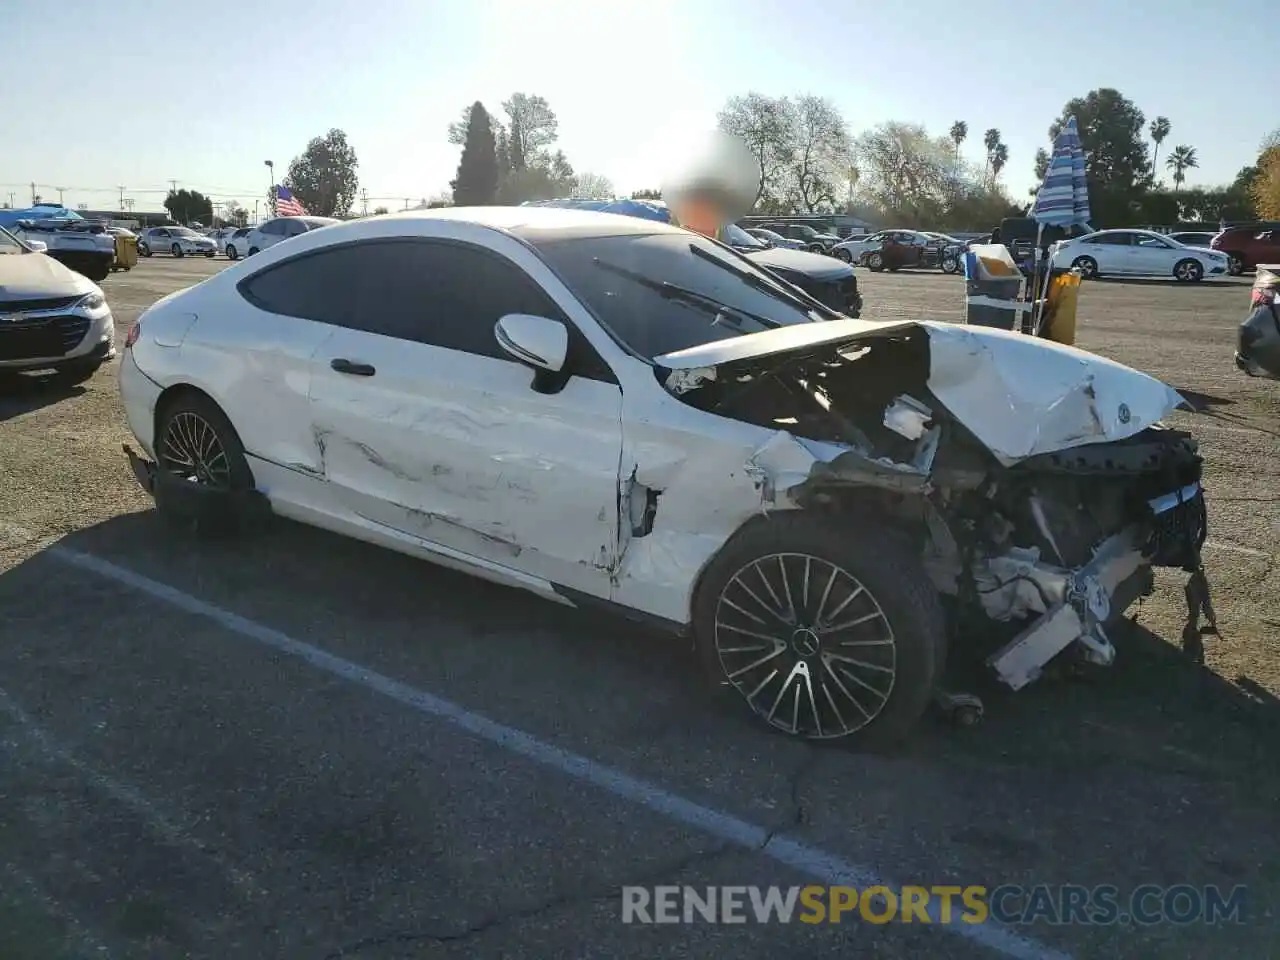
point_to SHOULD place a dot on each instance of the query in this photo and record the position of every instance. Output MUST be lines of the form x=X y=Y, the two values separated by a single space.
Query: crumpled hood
x=34 y=276
x=1020 y=396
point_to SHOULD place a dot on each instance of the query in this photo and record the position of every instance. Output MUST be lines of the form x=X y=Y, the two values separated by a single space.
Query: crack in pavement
x=598 y=892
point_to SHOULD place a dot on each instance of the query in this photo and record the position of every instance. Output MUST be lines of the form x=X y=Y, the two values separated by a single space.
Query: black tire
x=816 y=248
x=875 y=261
x=211 y=254
x=252 y=251
x=75 y=373
x=1087 y=266
x=144 y=250
x=174 y=416
x=231 y=252
x=844 y=255
x=176 y=250
x=950 y=264
x=1235 y=264
x=1188 y=271
x=882 y=586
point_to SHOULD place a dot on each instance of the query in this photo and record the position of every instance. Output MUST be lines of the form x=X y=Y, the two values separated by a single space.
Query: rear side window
x=443 y=294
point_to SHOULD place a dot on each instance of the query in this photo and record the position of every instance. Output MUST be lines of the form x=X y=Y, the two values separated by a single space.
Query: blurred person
x=712 y=187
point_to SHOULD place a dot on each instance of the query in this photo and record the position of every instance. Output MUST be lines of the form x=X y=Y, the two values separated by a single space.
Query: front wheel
x=1087 y=266
x=1188 y=271
x=253 y=251
x=950 y=264
x=1235 y=264
x=196 y=443
x=844 y=255
x=231 y=252
x=144 y=250
x=176 y=250
x=825 y=630
x=875 y=261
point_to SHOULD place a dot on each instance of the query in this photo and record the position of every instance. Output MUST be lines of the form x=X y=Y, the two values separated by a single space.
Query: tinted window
x=444 y=294
x=641 y=288
x=1148 y=241
x=271 y=228
x=1111 y=239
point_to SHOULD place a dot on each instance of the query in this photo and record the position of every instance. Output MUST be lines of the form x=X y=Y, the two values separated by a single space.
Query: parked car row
x=234 y=242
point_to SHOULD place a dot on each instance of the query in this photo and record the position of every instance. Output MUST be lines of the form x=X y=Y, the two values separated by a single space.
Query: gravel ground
x=177 y=784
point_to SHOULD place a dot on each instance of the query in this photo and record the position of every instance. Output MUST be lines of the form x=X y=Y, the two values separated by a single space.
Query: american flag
x=287 y=204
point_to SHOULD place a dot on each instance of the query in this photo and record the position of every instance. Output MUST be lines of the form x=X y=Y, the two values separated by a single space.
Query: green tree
x=1042 y=163
x=990 y=140
x=1160 y=128
x=1115 y=151
x=476 y=183
x=379 y=211
x=646 y=195
x=323 y=177
x=234 y=215
x=1182 y=159
x=187 y=206
x=999 y=157
x=958 y=133
x=1265 y=187
x=531 y=128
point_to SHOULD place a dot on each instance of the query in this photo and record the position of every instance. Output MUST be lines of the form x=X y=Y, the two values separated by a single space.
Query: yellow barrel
x=126 y=252
x=1060 y=311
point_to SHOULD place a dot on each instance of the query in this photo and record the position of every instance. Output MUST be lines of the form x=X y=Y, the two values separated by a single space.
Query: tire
x=950 y=265
x=1188 y=271
x=1087 y=266
x=887 y=610
x=816 y=248
x=844 y=255
x=211 y=254
x=231 y=252
x=252 y=251
x=72 y=374
x=179 y=420
x=176 y=250
x=143 y=250
x=1235 y=264
x=875 y=261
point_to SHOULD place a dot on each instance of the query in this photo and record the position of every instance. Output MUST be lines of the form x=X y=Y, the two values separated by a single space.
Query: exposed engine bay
x=1058 y=544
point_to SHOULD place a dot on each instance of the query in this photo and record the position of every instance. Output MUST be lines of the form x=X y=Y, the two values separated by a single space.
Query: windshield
x=314 y=223
x=657 y=295
x=183 y=232
x=9 y=243
x=805 y=230
x=735 y=236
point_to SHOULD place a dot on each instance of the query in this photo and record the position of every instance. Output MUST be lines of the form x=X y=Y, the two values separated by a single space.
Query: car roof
x=534 y=223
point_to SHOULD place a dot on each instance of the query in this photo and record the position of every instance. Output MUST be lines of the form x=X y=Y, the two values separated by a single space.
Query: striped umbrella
x=1063 y=198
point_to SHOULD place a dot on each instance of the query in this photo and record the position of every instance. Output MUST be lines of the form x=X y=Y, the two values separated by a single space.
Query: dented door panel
x=459 y=450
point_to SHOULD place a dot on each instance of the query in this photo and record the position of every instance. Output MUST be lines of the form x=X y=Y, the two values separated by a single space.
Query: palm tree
x=1180 y=161
x=999 y=157
x=959 y=130
x=990 y=140
x=1160 y=128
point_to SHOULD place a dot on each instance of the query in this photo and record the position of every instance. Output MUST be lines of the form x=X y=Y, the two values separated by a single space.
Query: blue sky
x=202 y=94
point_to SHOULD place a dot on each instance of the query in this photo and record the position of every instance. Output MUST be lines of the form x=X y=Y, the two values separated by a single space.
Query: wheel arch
x=177 y=392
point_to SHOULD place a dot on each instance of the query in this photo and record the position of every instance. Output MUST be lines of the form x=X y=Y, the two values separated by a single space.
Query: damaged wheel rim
x=193 y=451
x=806 y=644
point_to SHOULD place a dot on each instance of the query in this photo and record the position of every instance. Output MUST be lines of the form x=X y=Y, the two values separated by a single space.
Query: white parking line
x=1236 y=548
x=812 y=861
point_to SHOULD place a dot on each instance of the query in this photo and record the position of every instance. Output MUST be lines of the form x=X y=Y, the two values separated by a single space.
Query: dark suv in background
x=814 y=241
x=1249 y=244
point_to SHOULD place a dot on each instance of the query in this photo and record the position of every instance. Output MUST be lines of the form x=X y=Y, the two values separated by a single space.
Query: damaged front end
x=1037 y=480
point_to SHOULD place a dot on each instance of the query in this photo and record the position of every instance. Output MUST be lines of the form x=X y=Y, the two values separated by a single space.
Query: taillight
x=132 y=336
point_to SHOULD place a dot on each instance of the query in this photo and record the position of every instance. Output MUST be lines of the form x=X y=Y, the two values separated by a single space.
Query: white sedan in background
x=1138 y=253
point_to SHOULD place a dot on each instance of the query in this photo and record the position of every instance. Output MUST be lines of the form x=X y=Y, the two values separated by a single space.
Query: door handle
x=353 y=368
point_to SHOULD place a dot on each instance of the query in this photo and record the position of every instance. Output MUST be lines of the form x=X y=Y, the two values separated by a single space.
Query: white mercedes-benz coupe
x=605 y=409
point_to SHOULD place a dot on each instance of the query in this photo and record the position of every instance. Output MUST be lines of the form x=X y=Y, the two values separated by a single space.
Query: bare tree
x=903 y=168
x=531 y=128
x=820 y=153
x=593 y=185
x=764 y=124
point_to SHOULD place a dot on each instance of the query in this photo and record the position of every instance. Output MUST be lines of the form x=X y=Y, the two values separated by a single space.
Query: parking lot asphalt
x=294 y=745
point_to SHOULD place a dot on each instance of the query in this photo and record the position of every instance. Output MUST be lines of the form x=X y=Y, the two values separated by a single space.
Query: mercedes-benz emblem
x=1125 y=414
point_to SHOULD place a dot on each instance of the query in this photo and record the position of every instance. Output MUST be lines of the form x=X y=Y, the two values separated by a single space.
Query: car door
x=1110 y=251
x=159 y=241
x=429 y=430
x=1152 y=255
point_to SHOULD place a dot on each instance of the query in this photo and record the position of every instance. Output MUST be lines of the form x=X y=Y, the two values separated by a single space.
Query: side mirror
x=39 y=246
x=537 y=342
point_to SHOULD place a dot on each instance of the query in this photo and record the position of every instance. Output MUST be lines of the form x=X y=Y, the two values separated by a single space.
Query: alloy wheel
x=193 y=451
x=806 y=644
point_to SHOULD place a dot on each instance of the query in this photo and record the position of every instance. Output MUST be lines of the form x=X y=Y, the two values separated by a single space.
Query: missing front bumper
x=199 y=505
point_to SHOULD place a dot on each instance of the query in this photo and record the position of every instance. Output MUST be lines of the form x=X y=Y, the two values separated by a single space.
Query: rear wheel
x=144 y=250
x=231 y=252
x=875 y=261
x=1235 y=264
x=950 y=264
x=1087 y=266
x=844 y=255
x=176 y=250
x=1188 y=271
x=825 y=631
x=196 y=443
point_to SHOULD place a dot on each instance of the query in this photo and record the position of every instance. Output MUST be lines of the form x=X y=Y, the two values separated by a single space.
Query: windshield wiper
x=774 y=289
x=692 y=298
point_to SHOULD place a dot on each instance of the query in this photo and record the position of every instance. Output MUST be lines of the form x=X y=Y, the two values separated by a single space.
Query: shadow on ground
x=24 y=393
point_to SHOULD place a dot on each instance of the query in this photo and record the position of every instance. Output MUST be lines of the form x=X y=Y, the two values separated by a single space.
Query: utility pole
x=10 y=199
x=406 y=203
x=60 y=190
x=173 y=186
x=121 y=189
x=364 y=202
x=34 y=196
